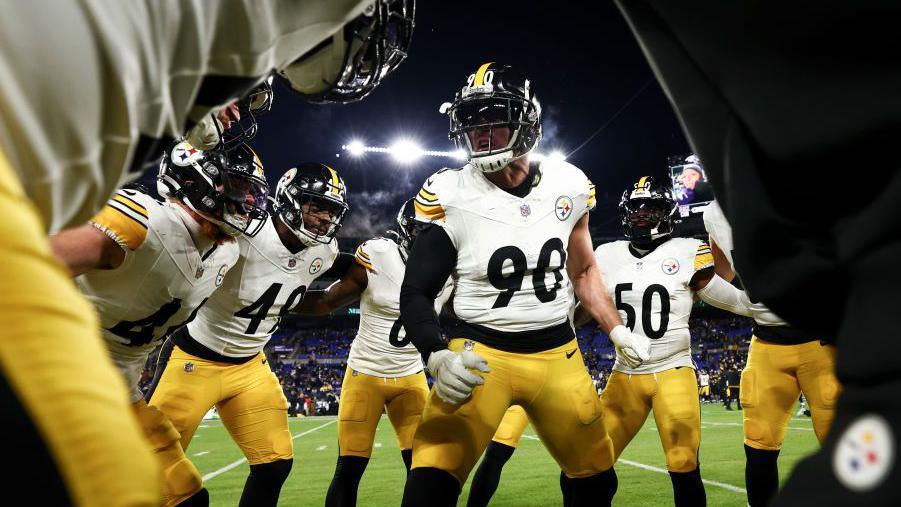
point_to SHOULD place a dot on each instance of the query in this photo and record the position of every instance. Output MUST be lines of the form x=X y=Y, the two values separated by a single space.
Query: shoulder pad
x=126 y=218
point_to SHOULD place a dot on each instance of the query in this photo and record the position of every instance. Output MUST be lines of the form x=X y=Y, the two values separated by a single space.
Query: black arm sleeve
x=339 y=267
x=431 y=262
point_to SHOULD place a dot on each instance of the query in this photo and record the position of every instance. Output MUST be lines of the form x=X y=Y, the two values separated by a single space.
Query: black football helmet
x=226 y=187
x=495 y=96
x=648 y=211
x=311 y=200
x=258 y=102
x=406 y=227
x=348 y=65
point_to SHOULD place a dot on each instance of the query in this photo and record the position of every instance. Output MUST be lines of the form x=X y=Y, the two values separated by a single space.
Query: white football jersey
x=720 y=232
x=703 y=380
x=170 y=269
x=510 y=274
x=86 y=88
x=654 y=297
x=265 y=284
x=381 y=347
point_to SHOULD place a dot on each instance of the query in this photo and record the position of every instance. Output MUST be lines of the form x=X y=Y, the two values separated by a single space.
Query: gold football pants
x=181 y=480
x=772 y=381
x=247 y=396
x=552 y=386
x=57 y=371
x=512 y=426
x=673 y=396
x=704 y=391
x=364 y=397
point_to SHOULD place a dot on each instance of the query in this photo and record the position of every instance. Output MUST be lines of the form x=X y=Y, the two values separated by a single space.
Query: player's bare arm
x=85 y=248
x=721 y=264
x=338 y=295
x=595 y=302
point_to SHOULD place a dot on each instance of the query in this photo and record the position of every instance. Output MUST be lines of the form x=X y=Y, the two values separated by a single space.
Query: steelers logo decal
x=315 y=266
x=184 y=154
x=864 y=454
x=670 y=266
x=220 y=277
x=563 y=208
x=287 y=177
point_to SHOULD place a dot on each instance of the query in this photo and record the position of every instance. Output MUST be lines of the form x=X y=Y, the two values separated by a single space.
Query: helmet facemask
x=349 y=65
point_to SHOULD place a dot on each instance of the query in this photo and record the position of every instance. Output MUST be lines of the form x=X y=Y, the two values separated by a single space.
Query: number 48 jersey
x=266 y=283
x=510 y=276
x=653 y=295
x=162 y=281
x=381 y=347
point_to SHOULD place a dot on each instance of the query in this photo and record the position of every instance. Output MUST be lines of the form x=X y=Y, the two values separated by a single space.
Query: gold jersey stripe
x=362 y=253
x=141 y=210
x=428 y=194
x=122 y=227
x=435 y=212
x=427 y=198
x=480 y=74
x=363 y=263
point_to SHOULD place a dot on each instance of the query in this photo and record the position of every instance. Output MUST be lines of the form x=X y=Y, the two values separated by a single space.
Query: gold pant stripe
x=364 y=398
x=248 y=397
x=672 y=395
x=771 y=382
x=53 y=357
x=554 y=389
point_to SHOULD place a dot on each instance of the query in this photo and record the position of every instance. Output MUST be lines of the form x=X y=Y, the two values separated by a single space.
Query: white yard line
x=650 y=468
x=740 y=424
x=201 y=453
x=241 y=461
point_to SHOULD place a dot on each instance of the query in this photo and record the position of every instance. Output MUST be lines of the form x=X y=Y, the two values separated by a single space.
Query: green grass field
x=530 y=477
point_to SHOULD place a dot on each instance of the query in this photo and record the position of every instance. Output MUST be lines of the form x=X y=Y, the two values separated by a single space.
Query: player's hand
x=634 y=348
x=454 y=381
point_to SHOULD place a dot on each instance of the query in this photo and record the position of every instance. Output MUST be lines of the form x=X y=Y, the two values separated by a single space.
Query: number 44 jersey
x=169 y=270
x=512 y=288
x=266 y=283
x=382 y=348
x=654 y=297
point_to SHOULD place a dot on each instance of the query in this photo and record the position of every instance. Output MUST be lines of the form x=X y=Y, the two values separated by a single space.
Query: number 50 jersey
x=266 y=283
x=169 y=270
x=381 y=348
x=653 y=296
x=510 y=276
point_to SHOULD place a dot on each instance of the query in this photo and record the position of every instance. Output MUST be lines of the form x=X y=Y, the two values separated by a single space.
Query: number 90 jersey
x=266 y=283
x=160 y=284
x=381 y=348
x=653 y=296
x=510 y=274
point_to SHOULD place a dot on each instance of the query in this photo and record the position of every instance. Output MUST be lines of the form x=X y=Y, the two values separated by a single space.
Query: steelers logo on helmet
x=225 y=187
x=495 y=118
x=311 y=201
x=648 y=211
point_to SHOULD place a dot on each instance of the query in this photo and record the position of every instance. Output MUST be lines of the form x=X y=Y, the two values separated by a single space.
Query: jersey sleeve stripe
x=130 y=213
x=427 y=198
x=704 y=257
x=428 y=213
x=363 y=262
x=591 y=197
x=362 y=254
x=120 y=224
x=131 y=203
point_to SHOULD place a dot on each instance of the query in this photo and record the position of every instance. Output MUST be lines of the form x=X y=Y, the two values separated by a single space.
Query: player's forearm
x=313 y=304
x=82 y=249
x=723 y=295
x=594 y=300
x=417 y=312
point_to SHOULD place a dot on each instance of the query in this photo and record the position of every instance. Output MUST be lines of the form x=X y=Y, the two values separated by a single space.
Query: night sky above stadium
x=588 y=72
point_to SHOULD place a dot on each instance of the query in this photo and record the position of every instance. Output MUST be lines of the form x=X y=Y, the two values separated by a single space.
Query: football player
x=503 y=445
x=783 y=362
x=87 y=92
x=217 y=359
x=384 y=370
x=514 y=235
x=704 y=384
x=653 y=278
x=147 y=266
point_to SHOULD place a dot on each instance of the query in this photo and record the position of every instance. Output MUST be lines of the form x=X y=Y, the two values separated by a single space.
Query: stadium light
x=355 y=148
x=557 y=155
x=405 y=151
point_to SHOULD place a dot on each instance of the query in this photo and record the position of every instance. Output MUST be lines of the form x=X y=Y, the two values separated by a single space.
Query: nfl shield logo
x=525 y=210
x=292 y=263
x=468 y=345
x=189 y=367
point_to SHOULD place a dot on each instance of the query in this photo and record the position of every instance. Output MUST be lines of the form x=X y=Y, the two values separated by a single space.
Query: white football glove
x=633 y=348
x=453 y=380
